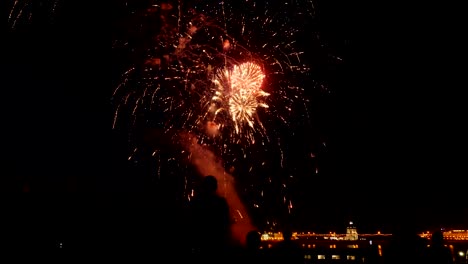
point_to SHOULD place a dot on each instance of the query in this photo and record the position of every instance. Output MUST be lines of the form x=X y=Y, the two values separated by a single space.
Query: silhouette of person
x=253 y=241
x=288 y=251
x=252 y=252
x=405 y=246
x=210 y=220
x=438 y=253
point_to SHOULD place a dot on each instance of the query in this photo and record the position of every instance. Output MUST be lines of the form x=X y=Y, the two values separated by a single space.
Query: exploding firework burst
x=231 y=73
x=218 y=68
x=238 y=92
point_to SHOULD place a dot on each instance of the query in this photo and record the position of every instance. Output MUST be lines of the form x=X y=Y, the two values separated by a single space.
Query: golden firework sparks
x=240 y=94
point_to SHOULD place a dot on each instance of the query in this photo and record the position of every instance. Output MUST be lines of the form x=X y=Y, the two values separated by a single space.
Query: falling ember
x=226 y=45
x=238 y=91
x=24 y=12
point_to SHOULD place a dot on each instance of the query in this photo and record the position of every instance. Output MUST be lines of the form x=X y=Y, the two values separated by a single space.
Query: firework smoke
x=207 y=163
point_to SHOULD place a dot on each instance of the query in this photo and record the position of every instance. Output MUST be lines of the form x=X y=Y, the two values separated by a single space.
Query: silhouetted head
x=287 y=233
x=209 y=184
x=253 y=239
x=437 y=238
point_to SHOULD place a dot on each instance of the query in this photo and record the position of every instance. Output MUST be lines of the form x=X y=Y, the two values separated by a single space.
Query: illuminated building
x=449 y=235
x=456 y=235
x=351 y=232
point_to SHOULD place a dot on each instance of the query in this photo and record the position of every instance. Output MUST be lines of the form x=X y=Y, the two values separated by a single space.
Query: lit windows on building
x=351 y=232
x=456 y=235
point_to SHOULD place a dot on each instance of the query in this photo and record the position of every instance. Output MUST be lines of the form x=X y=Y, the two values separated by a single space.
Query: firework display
x=231 y=74
x=216 y=70
x=238 y=91
x=296 y=107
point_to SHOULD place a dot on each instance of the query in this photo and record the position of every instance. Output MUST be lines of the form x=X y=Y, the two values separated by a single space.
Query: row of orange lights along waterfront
x=456 y=234
x=278 y=236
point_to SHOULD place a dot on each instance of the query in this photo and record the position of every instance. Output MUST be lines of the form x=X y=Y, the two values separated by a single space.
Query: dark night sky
x=394 y=122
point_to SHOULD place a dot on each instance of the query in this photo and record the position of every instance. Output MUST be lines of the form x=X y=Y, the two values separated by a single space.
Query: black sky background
x=394 y=123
